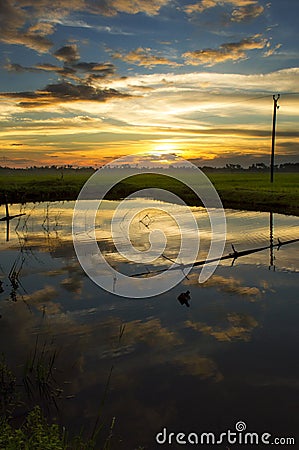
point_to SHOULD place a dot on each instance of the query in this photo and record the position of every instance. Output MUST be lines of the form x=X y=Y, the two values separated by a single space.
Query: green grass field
x=41 y=184
x=254 y=191
x=239 y=190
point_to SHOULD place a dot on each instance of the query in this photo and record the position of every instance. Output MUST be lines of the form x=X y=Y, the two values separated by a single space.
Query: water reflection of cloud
x=42 y=300
x=266 y=286
x=72 y=284
x=42 y=295
x=239 y=327
x=164 y=346
x=150 y=333
x=47 y=228
x=199 y=366
x=228 y=285
x=165 y=349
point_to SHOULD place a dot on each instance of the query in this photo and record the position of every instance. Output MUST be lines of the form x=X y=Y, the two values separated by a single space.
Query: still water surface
x=231 y=356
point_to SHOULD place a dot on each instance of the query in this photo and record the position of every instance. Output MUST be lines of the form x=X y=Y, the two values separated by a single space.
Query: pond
x=152 y=363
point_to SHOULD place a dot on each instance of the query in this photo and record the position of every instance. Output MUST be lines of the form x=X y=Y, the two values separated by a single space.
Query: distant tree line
x=48 y=169
x=255 y=167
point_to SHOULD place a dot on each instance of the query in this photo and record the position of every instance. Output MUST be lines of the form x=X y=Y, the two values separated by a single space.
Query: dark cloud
x=72 y=68
x=62 y=93
x=76 y=71
x=94 y=71
x=65 y=72
x=67 y=53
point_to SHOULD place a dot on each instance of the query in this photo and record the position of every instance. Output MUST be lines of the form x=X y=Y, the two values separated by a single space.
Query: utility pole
x=275 y=100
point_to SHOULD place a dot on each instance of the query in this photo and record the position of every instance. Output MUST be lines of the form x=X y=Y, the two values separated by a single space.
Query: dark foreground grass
x=240 y=190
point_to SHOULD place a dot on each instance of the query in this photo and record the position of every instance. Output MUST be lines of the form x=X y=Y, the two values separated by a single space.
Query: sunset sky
x=86 y=81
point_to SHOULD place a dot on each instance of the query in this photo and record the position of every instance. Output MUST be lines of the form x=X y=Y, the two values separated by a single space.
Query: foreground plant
x=37 y=434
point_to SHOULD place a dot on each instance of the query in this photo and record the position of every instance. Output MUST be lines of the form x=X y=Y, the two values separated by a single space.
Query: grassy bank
x=253 y=191
x=33 y=185
x=240 y=190
x=249 y=191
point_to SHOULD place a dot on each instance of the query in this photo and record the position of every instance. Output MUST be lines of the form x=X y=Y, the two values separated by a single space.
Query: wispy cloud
x=272 y=50
x=30 y=22
x=246 y=13
x=197 y=81
x=209 y=115
x=82 y=24
x=14 y=67
x=145 y=57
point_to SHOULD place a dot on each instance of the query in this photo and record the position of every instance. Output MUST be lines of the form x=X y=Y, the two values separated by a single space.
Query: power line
x=258 y=98
x=248 y=99
x=290 y=93
x=233 y=103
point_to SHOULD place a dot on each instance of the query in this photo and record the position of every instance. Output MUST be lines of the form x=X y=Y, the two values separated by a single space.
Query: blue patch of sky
x=209 y=29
